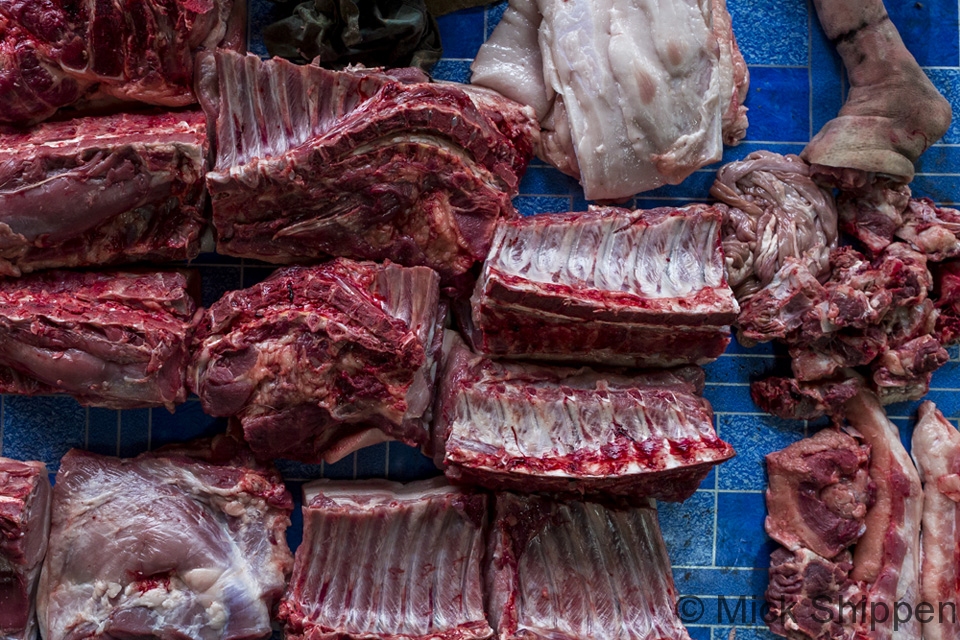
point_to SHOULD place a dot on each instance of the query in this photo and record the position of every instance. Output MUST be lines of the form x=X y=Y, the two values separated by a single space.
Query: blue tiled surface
x=715 y=539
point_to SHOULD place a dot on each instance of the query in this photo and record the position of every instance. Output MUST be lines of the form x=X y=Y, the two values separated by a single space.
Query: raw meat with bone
x=792 y=399
x=319 y=361
x=24 y=527
x=58 y=52
x=188 y=543
x=631 y=95
x=936 y=450
x=575 y=570
x=421 y=546
x=529 y=428
x=110 y=339
x=612 y=286
x=893 y=113
x=359 y=163
x=101 y=190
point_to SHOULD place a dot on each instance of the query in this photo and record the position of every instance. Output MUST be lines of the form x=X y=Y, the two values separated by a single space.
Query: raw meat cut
x=631 y=94
x=947 y=290
x=384 y=560
x=319 y=361
x=931 y=230
x=576 y=570
x=58 y=52
x=633 y=288
x=24 y=527
x=872 y=215
x=113 y=339
x=792 y=399
x=187 y=543
x=529 y=428
x=819 y=493
x=775 y=211
x=936 y=450
x=893 y=113
x=887 y=557
x=359 y=163
x=101 y=190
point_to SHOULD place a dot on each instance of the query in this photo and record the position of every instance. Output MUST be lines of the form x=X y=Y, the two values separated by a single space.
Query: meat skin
x=609 y=285
x=24 y=526
x=573 y=431
x=314 y=357
x=420 y=578
x=175 y=544
x=936 y=450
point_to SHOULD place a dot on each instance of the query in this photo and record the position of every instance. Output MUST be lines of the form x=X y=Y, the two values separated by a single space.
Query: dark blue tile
x=695 y=186
x=742 y=150
x=134 y=432
x=727 y=582
x=255 y=275
x=547 y=181
x=452 y=70
x=344 y=469
x=729 y=369
x=826 y=79
x=461 y=33
x=771 y=32
x=293 y=470
x=779 y=102
x=295 y=531
x=261 y=14
x=372 y=462
x=102 y=431
x=407 y=463
x=741 y=539
x=744 y=633
x=42 y=428
x=929 y=29
x=186 y=423
x=216 y=281
x=940 y=188
x=699 y=633
x=764 y=348
x=688 y=529
x=709 y=481
x=494 y=13
x=753 y=437
x=532 y=205
x=940 y=159
x=730 y=397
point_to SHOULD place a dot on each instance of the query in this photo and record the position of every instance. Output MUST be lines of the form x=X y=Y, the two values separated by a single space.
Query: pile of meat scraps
x=630 y=94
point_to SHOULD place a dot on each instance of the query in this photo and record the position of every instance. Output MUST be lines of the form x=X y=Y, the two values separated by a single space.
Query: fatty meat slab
x=384 y=560
x=609 y=286
x=57 y=53
x=579 y=571
x=317 y=362
x=102 y=190
x=361 y=163
x=530 y=428
x=24 y=526
x=936 y=450
x=631 y=94
x=184 y=543
x=115 y=339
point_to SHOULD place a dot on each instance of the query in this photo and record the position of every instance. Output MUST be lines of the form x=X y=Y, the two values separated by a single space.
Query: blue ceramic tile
x=299 y=470
x=727 y=582
x=532 y=205
x=743 y=633
x=452 y=70
x=295 y=531
x=771 y=33
x=741 y=540
x=494 y=13
x=407 y=463
x=730 y=397
x=216 y=281
x=940 y=188
x=696 y=185
x=948 y=82
x=186 y=423
x=745 y=148
x=940 y=158
x=753 y=437
x=547 y=181
x=688 y=529
x=462 y=33
x=699 y=633
x=134 y=432
x=929 y=29
x=255 y=275
x=345 y=469
x=747 y=368
x=826 y=81
x=779 y=102
x=103 y=427
x=372 y=462
x=42 y=428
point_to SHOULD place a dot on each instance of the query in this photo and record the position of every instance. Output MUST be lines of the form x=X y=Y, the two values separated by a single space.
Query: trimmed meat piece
x=181 y=544
x=609 y=285
x=24 y=527
x=385 y=560
x=102 y=190
x=872 y=215
x=792 y=399
x=576 y=570
x=359 y=163
x=319 y=361
x=111 y=339
x=529 y=428
x=947 y=294
x=931 y=230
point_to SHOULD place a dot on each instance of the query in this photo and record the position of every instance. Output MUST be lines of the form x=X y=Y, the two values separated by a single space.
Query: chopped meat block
x=635 y=288
x=887 y=557
x=102 y=190
x=56 y=53
x=110 y=339
x=819 y=493
x=775 y=211
x=781 y=307
x=872 y=215
x=805 y=595
x=913 y=352
x=893 y=112
x=793 y=399
x=573 y=570
x=947 y=294
x=319 y=361
x=936 y=450
x=24 y=527
x=530 y=428
x=165 y=545
x=359 y=163
x=384 y=560
x=931 y=230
